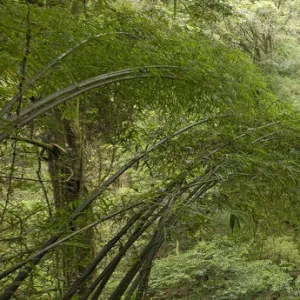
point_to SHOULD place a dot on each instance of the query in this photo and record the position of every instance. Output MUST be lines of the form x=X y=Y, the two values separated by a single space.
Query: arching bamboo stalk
x=104 y=251
x=103 y=278
x=54 y=62
x=35 y=259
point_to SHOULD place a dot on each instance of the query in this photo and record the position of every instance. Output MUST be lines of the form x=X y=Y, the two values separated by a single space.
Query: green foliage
x=219 y=269
x=281 y=250
x=268 y=32
x=242 y=159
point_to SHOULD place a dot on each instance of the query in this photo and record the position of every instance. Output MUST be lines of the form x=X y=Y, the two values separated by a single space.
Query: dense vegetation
x=149 y=149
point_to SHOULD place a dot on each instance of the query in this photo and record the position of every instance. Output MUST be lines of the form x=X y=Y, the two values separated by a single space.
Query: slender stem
x=10 y=290
x=99 y=257
x=39 y=176
x=103 y=278
x=50 y=147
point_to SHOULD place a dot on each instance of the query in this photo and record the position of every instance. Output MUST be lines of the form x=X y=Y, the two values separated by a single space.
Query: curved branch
x=93 y=81
x=45 y=108
x=36 y=77
x=50 y=147
x=35 y=259
x=154 y=244
x=66 y=238
x=48 y=102
x=101 y=281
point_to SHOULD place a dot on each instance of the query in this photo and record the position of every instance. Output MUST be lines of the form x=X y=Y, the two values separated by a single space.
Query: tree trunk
x=67 y=175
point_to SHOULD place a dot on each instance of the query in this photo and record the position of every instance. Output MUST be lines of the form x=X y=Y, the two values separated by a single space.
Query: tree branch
x=40 y=107
x=36 y=77
x=50 y=147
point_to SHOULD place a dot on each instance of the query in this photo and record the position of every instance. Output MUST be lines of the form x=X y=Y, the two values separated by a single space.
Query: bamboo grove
x=192 y=120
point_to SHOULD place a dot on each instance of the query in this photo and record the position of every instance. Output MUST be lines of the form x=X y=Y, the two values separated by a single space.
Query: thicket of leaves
x=221 y=269
x=243 y=157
